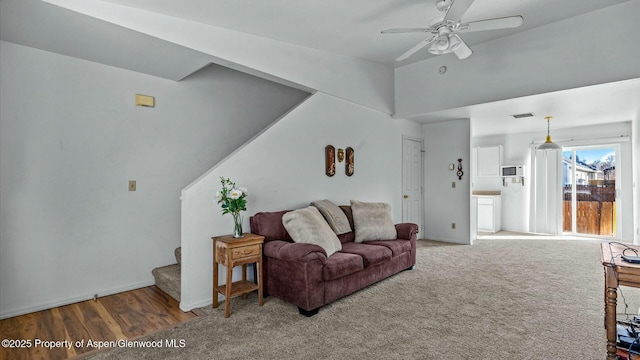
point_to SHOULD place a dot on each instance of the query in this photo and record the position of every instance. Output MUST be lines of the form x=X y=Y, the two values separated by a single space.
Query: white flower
x=218 y=196
x=235 y=194
x=244 y=191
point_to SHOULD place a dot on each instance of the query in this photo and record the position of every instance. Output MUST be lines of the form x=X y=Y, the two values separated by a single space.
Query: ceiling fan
x=444 y=31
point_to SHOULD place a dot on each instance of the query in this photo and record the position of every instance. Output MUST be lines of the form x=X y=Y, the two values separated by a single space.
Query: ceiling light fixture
x=445 y=43
x=454 y=42
x=548 y=144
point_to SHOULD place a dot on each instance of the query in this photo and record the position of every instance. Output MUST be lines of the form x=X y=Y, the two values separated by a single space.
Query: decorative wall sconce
x=350 y=166
x=459 y=173
x=330 y=160
x=342 y=155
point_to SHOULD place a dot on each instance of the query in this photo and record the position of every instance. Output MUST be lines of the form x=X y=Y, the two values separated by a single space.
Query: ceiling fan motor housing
x=444 y=31
x=443 y=5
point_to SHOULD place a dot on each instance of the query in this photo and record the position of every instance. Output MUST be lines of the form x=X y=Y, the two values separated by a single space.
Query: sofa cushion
x=371 y=254
x=372 y=221
x=347 y=211
x=334 y=215
x=341 y=264
x=269 y=225
x=308 y=226
x=348 y=237
x=397 y=247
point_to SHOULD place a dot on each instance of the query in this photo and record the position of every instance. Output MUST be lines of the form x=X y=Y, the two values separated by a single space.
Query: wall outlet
x=453 y=184
x=453 y=225
x=132 y=185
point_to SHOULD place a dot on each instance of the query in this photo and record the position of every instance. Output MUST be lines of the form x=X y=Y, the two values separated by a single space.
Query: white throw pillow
x=334 y=215
x=372 y=221
x=308 y=226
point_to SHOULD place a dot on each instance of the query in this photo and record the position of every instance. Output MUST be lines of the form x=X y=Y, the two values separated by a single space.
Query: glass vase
x=237 y=226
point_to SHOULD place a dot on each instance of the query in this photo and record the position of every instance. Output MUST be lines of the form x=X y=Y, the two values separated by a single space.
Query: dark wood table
x=616 y=272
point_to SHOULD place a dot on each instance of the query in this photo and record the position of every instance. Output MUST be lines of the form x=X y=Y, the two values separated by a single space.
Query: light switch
x=453 y=184
x=132 y=185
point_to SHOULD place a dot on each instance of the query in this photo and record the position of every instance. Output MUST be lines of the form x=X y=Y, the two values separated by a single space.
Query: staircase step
x=168 y=279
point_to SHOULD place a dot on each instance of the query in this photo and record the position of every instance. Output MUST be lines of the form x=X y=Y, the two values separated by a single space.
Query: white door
x=412 y=181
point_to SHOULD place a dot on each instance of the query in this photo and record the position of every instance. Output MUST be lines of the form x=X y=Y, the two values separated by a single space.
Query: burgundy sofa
x=303 y=275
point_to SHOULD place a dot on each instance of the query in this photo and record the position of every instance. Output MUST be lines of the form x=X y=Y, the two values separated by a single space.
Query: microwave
x=512 y=170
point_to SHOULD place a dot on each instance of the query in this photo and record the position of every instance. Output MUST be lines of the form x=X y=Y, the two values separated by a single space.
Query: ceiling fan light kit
x=454 y=42
x=444 y=31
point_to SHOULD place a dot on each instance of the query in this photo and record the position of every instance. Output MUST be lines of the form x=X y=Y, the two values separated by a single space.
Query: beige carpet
x=497 y=299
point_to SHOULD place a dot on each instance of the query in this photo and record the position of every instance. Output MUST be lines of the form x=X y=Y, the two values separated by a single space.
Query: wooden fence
x=596 y=207
x=592 y=193
x=593 y=217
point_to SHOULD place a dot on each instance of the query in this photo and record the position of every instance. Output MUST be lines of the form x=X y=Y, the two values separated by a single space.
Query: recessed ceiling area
x=590 y=105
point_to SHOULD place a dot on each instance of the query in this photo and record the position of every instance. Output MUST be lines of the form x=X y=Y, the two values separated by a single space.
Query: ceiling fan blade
x=463 y=51
x=406 y=30
x=457 y=9
x=415 y=49
x=491 y=24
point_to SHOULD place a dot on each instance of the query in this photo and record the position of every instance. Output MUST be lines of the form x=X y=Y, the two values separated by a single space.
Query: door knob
x=406 y=196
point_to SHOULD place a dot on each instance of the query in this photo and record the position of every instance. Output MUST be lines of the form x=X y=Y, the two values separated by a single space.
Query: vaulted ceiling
x=347 y=28
x=352 y=28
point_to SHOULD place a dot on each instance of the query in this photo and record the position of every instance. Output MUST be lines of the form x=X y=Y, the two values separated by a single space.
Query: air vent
x=523 y=115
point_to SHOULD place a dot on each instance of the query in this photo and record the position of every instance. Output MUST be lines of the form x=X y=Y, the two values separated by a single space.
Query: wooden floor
x=126 y=315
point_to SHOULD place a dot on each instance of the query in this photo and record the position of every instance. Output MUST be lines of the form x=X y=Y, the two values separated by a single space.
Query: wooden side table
x=232 y=252
x=616 y=272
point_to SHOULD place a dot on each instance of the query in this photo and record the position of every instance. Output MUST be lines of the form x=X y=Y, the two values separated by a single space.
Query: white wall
x=635 y=124
x=516 y=150
x=444 y=144
x=558 y=56
x=71 y=138
x=283 y=168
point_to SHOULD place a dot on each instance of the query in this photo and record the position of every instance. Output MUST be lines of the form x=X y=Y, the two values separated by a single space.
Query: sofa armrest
x=406 y=230
x=300 y=252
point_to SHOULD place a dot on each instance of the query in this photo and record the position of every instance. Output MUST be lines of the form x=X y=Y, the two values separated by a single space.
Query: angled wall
x=70 y=140
x=359 y=81
x=283 y=168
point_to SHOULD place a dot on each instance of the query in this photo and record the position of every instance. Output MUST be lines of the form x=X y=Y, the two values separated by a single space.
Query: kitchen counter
x=486 y=193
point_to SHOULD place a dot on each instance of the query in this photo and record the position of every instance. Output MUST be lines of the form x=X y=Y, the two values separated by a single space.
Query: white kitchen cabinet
x=489 y=213
x=487 y=162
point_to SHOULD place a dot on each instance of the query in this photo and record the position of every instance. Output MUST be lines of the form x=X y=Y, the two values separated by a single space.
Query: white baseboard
x=45 y=306
x=198 y=304
x=451 y=240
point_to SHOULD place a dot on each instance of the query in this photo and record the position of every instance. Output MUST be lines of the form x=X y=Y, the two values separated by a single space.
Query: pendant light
x=548 y=144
